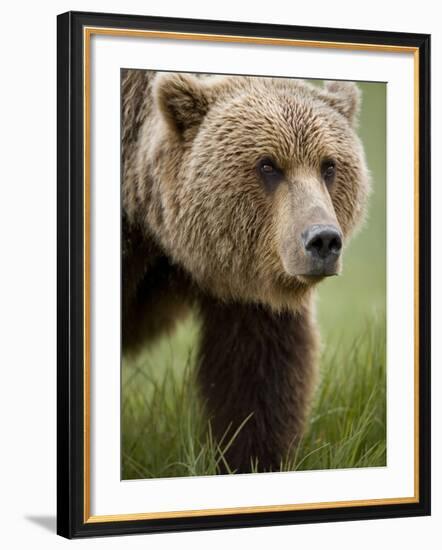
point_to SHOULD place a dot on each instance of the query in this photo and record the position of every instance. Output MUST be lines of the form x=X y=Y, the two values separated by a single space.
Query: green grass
x=347 y=428
x=166 y=434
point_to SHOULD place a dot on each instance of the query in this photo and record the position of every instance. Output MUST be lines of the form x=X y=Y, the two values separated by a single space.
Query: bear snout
x=323 y=246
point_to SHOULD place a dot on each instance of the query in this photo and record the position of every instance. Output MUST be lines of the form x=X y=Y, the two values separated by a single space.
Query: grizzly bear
x=238 y=196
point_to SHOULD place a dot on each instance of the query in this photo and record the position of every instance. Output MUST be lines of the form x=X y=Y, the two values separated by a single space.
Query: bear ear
x=345 y=97
x=182 y=99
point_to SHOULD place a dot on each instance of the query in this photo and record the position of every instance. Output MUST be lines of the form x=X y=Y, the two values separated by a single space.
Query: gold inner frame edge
x=87 y=33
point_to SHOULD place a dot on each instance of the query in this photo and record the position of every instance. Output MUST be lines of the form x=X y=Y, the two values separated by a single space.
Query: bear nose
x=322 y=241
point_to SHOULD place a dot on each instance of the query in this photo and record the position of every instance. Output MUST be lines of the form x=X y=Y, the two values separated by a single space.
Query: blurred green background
x=347 y=302
x=164 y=429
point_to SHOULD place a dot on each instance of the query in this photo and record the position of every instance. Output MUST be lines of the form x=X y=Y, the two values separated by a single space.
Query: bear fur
x=204 y=229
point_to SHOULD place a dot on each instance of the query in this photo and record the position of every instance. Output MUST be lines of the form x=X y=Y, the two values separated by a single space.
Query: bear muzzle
x=314 y=253
x=322 y=246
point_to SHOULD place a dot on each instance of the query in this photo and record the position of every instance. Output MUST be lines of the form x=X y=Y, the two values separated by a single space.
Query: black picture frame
x=71 y=518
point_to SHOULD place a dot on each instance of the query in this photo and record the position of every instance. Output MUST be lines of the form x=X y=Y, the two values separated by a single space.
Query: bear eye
x=328 y=171
x=269 y=172
x=267 y=168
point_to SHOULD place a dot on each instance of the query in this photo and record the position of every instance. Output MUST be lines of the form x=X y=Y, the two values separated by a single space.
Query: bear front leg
x=259 y=364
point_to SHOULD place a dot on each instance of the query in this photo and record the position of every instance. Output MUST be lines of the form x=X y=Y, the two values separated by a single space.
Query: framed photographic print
x=243 y=274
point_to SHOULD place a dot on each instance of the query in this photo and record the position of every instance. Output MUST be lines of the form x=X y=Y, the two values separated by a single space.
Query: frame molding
x=74 y=30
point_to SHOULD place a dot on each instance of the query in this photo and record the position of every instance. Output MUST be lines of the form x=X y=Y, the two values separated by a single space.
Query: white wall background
x=28 y=279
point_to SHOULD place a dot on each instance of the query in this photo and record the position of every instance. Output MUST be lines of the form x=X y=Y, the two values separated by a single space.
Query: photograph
x=253 y=274
x=220 y=279
x=243 y=274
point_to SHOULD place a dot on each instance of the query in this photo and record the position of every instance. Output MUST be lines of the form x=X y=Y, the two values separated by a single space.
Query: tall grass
x=166 y=433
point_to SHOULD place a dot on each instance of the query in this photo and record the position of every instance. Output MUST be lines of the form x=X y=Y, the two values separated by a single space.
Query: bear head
x=258 y=182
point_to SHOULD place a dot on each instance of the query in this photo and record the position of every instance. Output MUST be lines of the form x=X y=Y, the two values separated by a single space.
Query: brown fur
x=260 y=366
x=200 y=229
